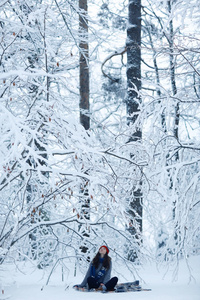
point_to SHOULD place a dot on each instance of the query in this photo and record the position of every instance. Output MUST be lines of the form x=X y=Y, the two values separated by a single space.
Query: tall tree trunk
x=176 y=109
x=132 y=104
x=84 y=65
x=84 y=104
x=134 y=63
x=172 y=73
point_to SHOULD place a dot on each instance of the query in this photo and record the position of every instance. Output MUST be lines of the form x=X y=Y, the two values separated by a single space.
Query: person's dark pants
x=95 y=284
x=111 y=283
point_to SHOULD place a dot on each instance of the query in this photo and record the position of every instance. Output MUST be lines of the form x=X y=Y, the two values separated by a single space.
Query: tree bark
x=84 y=103
x=84 y=65
x=134 y=62
x=132 y=104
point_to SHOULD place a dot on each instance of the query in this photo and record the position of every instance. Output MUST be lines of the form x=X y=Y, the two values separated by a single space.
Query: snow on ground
x=29 y=287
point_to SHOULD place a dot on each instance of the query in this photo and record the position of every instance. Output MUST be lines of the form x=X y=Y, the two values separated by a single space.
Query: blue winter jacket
x=101 y=277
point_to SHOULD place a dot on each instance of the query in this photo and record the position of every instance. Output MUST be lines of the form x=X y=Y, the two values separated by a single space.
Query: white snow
x=31 y=286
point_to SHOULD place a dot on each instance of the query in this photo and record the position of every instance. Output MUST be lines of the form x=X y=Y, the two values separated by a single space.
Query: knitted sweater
x=103 y=279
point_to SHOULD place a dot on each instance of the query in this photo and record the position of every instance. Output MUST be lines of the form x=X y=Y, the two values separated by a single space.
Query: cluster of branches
x=50 y=166
x=48 y=162
x=64 y=188
x=169 y=114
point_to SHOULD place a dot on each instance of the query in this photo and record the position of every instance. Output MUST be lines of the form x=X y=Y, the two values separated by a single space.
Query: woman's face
x=102 y=250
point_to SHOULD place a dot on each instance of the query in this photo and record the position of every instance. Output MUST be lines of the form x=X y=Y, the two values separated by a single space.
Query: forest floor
x=29 y=283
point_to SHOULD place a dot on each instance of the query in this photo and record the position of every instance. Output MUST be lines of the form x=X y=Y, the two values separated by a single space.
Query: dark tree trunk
x=177 y=234
x=84 y=103
x=132 y=104
x=134 y=62
x=84 y=65
x=172 y=73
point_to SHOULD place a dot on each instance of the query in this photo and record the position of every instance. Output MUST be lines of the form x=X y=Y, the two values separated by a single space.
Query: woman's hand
x=76 y=286
x=103 y=287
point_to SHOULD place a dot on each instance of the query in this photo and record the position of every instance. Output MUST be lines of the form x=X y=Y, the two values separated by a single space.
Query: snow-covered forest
x=99 y=132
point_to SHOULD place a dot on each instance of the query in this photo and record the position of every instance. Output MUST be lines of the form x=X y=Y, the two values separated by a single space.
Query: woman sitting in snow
x=98 y=275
